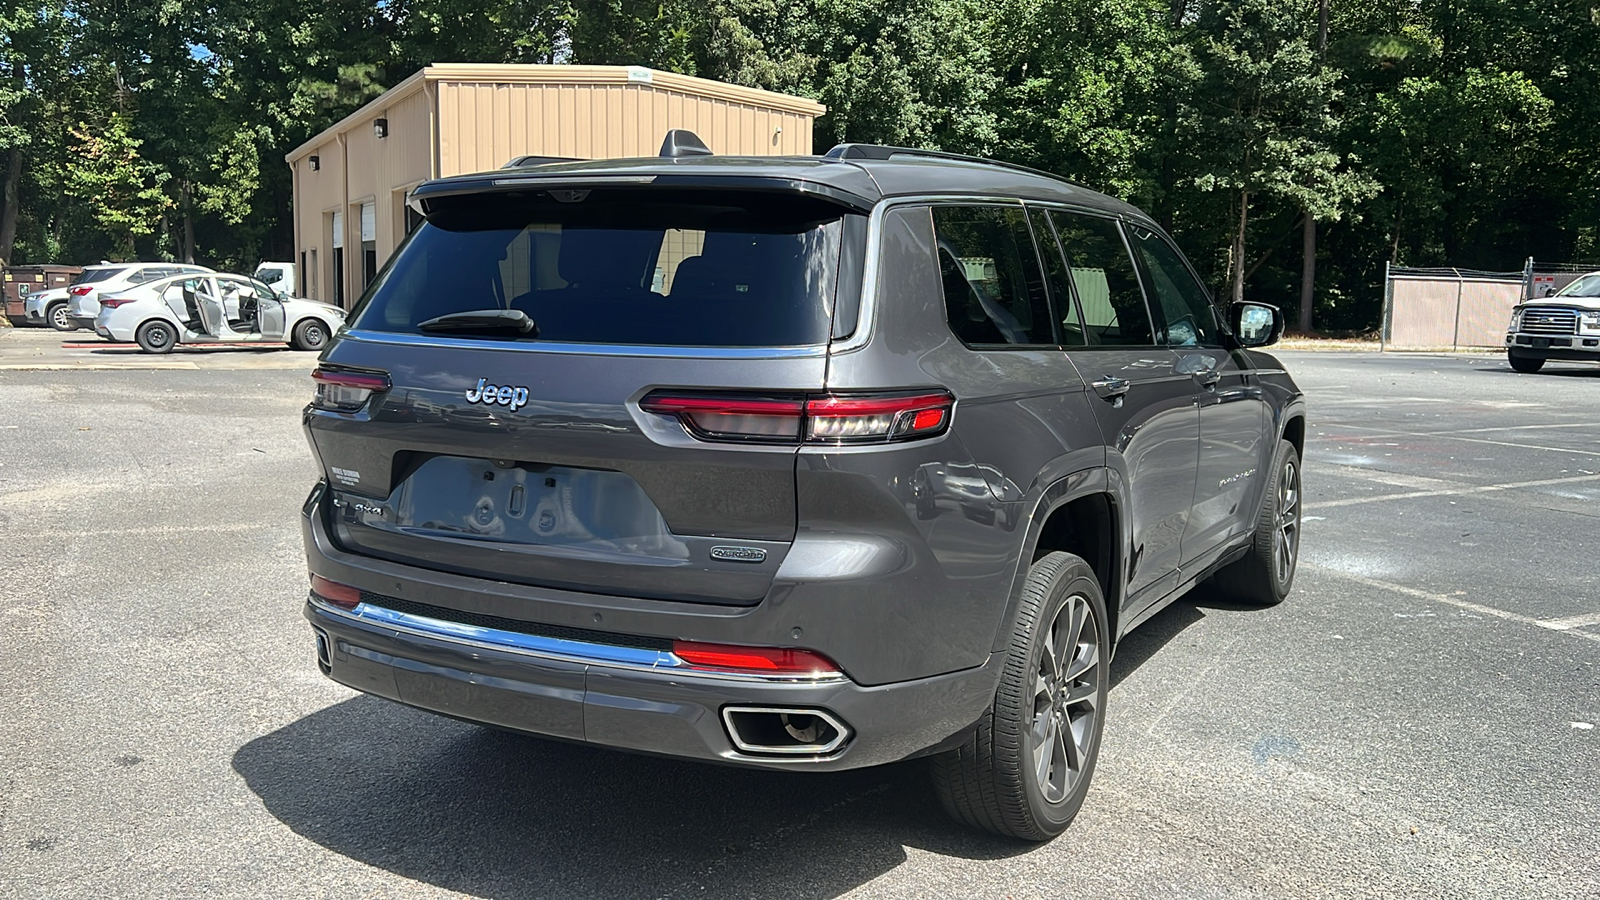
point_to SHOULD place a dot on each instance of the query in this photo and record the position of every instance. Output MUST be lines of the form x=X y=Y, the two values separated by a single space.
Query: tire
x=1527 y=365
x=1266 y=573
x=57 y=315
x=309 y=334
x=157 y=336
x=992 y=781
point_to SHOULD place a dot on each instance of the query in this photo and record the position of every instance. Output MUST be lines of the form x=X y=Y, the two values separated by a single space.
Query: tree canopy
x=1417 y=132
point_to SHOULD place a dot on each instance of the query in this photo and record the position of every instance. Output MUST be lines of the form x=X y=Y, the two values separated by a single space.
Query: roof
x=516 y=73
x=854 y=181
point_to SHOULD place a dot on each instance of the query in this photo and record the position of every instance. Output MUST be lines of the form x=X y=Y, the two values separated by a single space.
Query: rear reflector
x=340 y=595
x=830 y=419
x=769 y=660
x=339 y=391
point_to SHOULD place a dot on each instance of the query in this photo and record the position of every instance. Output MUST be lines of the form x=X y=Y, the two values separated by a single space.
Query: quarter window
x=1109 y=296
x=1189 y=317
x=994 y=290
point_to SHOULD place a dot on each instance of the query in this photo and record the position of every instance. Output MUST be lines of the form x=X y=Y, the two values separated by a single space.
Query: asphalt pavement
x=1418 y=719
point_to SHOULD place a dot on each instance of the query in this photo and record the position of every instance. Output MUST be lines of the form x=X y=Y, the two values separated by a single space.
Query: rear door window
x=654 y=268
x=1109 y=296
x=994 y=290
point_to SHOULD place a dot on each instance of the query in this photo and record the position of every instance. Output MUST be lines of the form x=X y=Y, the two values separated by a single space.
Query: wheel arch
x=1081 y=514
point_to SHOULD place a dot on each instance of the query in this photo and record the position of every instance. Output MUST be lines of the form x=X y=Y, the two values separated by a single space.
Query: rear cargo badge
x=503 y=395
x=739 y=554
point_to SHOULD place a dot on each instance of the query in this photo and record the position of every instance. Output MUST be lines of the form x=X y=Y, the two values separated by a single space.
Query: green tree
x=123 y=190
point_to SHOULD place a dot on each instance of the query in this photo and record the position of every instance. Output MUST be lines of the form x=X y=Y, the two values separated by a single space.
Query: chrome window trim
x=807 y=351
x=610 y=656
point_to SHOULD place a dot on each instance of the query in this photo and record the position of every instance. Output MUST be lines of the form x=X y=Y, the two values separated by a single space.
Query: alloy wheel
x=1066 y=698
x=1286 y=536
x=59 y=319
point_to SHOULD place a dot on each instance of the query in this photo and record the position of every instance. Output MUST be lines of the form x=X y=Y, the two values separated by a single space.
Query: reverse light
x=767 y=660
x=340 y=391
x=829 y=419
x=341 y=595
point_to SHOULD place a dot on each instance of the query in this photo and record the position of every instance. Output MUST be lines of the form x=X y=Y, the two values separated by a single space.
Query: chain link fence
x=1451 y=309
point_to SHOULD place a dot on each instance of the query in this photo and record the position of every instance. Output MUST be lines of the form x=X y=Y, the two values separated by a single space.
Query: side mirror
x=283 y=295
x=1255 y=324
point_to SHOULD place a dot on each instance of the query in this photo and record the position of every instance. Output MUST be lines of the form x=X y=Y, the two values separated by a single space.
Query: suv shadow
x=496 y=814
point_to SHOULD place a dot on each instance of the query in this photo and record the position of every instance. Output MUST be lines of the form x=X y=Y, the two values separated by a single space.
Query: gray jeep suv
x=795 y=463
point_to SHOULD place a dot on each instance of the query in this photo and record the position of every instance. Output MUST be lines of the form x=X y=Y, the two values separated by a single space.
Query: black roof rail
x=884 y=152
x=520 y=161
x=681 y=142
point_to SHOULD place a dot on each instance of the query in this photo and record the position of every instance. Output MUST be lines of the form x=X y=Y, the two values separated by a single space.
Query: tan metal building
x=351 y=181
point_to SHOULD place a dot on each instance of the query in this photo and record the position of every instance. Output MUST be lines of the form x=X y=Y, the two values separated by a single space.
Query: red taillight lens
x=832 y=419
x=341 y=595
x=339 y=391
x=80 y=291
x=732 y=418
x=769 y=660
x=114 y=302
x=872 y=419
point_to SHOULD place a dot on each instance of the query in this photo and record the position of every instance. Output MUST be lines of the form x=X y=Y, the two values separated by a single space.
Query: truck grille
x=1549 y=320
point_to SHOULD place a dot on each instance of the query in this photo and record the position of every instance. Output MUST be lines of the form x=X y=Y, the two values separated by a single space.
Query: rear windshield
x=660 y=268
x=90 y=276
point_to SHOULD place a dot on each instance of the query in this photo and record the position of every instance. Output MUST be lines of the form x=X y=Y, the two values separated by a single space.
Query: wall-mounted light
x=316 y=163
x=380 y=127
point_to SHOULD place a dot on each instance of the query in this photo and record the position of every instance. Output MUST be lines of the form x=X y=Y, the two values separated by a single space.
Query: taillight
x=339 y=391
x=732 y=418
x=80 y=291
x=341 y=595
x=829 y=419
x=114 y=302
x=768 y=660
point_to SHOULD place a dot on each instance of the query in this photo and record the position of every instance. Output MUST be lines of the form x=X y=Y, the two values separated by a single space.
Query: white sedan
x=214 y=308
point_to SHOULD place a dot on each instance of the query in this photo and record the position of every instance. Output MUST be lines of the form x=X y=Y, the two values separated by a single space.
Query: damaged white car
x=210 y=309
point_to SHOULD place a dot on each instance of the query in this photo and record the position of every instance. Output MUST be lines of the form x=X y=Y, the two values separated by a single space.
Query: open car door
x=209 y=302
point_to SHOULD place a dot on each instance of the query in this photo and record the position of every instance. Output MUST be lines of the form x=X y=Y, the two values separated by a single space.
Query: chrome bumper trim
x=633 y=659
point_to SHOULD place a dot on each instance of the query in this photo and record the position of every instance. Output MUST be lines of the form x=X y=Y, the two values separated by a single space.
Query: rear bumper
x=631 y=708
x=605 y=695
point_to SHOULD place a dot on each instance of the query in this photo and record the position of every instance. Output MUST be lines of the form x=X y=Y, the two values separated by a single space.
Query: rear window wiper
x=511 y=323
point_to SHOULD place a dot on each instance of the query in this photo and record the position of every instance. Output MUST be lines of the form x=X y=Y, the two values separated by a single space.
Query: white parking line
x=1455 y=601
x=1385 y=432
x=1451 y=492
x=1571 y=622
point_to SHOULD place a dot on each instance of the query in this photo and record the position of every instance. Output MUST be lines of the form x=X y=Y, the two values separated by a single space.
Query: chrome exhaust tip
x=324 y=651
x=780 y=731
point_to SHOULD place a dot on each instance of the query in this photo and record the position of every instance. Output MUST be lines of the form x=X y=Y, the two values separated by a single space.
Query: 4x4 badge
x=739 y=554
x=504 y=395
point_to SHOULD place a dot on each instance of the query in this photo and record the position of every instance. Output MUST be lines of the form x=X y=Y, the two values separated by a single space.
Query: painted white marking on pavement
x=1583 y=726
x=1386 y=432
x=1453 y=492
x=1571 y=622
x=1445 y=599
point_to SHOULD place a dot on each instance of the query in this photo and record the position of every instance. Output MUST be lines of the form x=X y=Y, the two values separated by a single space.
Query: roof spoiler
x=681 y=142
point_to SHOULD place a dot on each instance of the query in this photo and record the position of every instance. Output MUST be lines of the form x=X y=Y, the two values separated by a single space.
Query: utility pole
x=1308 y=266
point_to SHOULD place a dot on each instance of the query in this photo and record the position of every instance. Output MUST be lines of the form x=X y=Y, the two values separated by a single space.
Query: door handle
x=1110 y=387
x=1208 y=378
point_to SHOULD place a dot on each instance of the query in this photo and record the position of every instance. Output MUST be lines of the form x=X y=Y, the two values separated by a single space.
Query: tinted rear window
x=657 y=267
x=90 y=276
